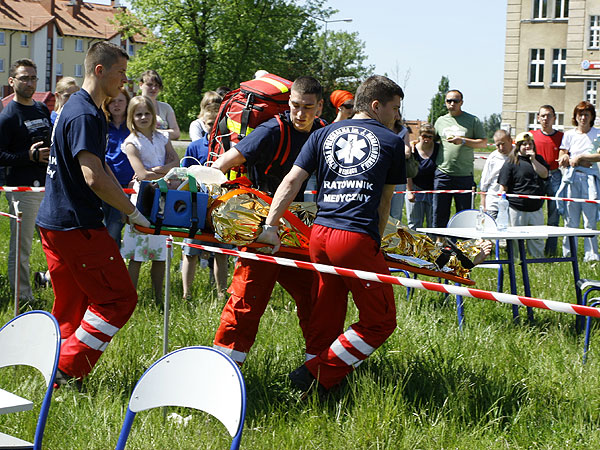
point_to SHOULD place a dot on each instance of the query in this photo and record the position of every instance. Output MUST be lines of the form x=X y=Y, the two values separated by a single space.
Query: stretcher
x=302 y=253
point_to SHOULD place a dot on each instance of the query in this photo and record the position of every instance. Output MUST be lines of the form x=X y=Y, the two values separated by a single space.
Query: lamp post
x=324 y=51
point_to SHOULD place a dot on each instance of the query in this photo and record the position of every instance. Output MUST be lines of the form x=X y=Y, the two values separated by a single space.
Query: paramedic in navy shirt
x=358 y=162
x=253 y=281
x=94 y=296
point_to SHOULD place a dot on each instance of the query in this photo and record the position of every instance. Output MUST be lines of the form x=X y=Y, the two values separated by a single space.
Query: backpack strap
x=246 y=116
x=160 y=213
x=284 y=142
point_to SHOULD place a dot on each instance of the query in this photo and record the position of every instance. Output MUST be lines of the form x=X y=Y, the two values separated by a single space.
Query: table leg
x=576 y=277
x=525 y=272
x=512 y=277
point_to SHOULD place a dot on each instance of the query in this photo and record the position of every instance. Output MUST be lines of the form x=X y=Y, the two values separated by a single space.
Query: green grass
x=494 y=385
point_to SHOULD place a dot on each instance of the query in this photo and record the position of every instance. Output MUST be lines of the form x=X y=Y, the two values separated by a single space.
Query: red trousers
x=94 y=296
x=250 y=290
x=338 y=352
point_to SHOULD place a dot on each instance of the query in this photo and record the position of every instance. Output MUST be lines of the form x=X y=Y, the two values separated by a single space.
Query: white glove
x=136 y=218
x=269 y=236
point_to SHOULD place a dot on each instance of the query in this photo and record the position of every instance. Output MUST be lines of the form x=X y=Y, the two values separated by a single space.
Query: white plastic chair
x=31 y=339
x=468 y=219
x=195 y=377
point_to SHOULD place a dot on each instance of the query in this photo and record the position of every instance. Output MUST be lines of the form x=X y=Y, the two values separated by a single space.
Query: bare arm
x=174 y=131
x=171 y=160
x=231 y=158
x=469 y=142
x=563 y=157
x=135 y=159
x=285 y=194
x=585 y=159
x=539 y=168
x=384 y=206
x=103 y=182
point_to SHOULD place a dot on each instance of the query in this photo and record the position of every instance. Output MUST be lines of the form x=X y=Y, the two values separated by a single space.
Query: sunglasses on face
x=427 y=136
x=347 y=106
x=453 y=100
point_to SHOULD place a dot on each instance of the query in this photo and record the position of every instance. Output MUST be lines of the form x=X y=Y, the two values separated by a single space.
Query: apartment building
x=56 y=35
x=552 y=57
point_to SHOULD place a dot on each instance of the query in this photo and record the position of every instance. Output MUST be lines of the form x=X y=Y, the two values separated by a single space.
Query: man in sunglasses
x=25 y=128
x=460 y=133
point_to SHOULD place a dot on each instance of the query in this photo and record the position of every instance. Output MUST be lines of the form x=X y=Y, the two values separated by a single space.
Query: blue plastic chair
x=31 y=339
x=194 y=377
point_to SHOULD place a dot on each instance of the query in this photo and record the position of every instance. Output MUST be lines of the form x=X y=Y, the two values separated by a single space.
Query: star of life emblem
x=351 y=150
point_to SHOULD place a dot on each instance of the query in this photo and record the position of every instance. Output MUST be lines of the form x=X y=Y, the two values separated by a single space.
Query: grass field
x=494 y=385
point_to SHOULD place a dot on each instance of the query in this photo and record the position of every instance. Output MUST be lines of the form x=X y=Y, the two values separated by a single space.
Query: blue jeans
x=552 y=185
x=113 y=220
x=419 y=210
x=443 y=202
x=397 y=202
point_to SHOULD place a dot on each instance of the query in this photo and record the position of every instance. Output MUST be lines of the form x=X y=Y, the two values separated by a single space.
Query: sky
x=421 y=41
x=416 y=43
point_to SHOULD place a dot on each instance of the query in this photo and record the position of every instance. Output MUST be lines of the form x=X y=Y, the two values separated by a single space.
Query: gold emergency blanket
x=408 y=242
x=237 y=219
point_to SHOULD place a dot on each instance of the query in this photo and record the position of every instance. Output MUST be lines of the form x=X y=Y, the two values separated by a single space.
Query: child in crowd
x=199 y=127
x=525 y=173
x=151 y=156
x=197 y=153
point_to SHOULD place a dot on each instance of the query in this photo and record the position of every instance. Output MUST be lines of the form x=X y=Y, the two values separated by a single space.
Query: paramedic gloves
x=269 y=236
x=136 y=218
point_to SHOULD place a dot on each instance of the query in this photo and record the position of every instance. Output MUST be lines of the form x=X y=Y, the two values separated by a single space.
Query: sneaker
x=40 y=281
x=305 y=382
x=62 y=379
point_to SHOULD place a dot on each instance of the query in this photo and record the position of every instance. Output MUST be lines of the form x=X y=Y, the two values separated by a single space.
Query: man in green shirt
x=460 y=133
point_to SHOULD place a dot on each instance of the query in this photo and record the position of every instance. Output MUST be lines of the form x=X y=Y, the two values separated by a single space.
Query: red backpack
x=243 y=109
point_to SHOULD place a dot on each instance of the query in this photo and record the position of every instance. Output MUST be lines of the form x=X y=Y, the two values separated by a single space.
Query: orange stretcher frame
x=209 y=239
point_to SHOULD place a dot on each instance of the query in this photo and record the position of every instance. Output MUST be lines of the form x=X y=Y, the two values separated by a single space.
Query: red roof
x=89 y=20
x=44 y=97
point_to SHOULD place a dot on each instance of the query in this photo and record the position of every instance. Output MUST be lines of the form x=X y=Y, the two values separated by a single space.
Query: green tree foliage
x=438 y=105
x=491 y=124
x=199 y=45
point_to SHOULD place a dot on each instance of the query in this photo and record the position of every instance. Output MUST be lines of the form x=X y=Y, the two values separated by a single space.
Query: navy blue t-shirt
x=115 y=157
x=69 y=203
x=20 y=127
x=260 y=148
x=198 y=150
x=353 y=160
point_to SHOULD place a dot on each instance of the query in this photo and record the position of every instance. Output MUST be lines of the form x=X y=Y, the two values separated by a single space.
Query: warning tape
x=500 y=297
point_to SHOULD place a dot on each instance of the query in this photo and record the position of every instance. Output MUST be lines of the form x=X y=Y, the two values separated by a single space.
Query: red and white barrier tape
x=500 y=297
x=447 y=191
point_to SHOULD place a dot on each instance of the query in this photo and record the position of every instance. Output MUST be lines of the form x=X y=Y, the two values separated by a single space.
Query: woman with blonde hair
x=64 y=88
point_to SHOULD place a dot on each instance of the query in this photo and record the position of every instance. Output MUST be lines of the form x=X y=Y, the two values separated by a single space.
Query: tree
x=438 y=102
x=491 y=125
x=197 y=45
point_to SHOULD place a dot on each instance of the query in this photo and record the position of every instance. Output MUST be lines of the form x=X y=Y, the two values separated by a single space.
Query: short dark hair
x=376 y=87
x=550 y=107
x=103 y=53
x=25 y=62
x=308 y=85
x=583 y=106
x=151 y=75
x=462 y=97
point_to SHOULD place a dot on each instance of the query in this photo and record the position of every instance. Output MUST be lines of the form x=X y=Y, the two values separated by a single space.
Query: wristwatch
x=463 y=141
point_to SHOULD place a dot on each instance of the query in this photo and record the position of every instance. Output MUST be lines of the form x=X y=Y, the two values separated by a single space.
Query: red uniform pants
x=250 y=290
x=338 y=352
x=94 y=296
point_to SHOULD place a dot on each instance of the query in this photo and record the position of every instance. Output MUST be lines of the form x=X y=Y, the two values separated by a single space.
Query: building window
x=591 y=91
x=1 y=64
x=536 y=67
x=59 y=69
x=559 y=65
x=24 y=40
x=78 y=70
x=60 y=43
x=594 y=32
x=540 y=9
x=561 y=9
x=78 y=45
x=2 y=42
x=131 y=50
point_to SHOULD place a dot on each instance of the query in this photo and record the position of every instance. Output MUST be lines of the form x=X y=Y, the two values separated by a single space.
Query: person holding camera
x=25 y=128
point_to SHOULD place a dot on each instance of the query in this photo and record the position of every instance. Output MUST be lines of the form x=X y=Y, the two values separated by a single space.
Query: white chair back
x=468 y=218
